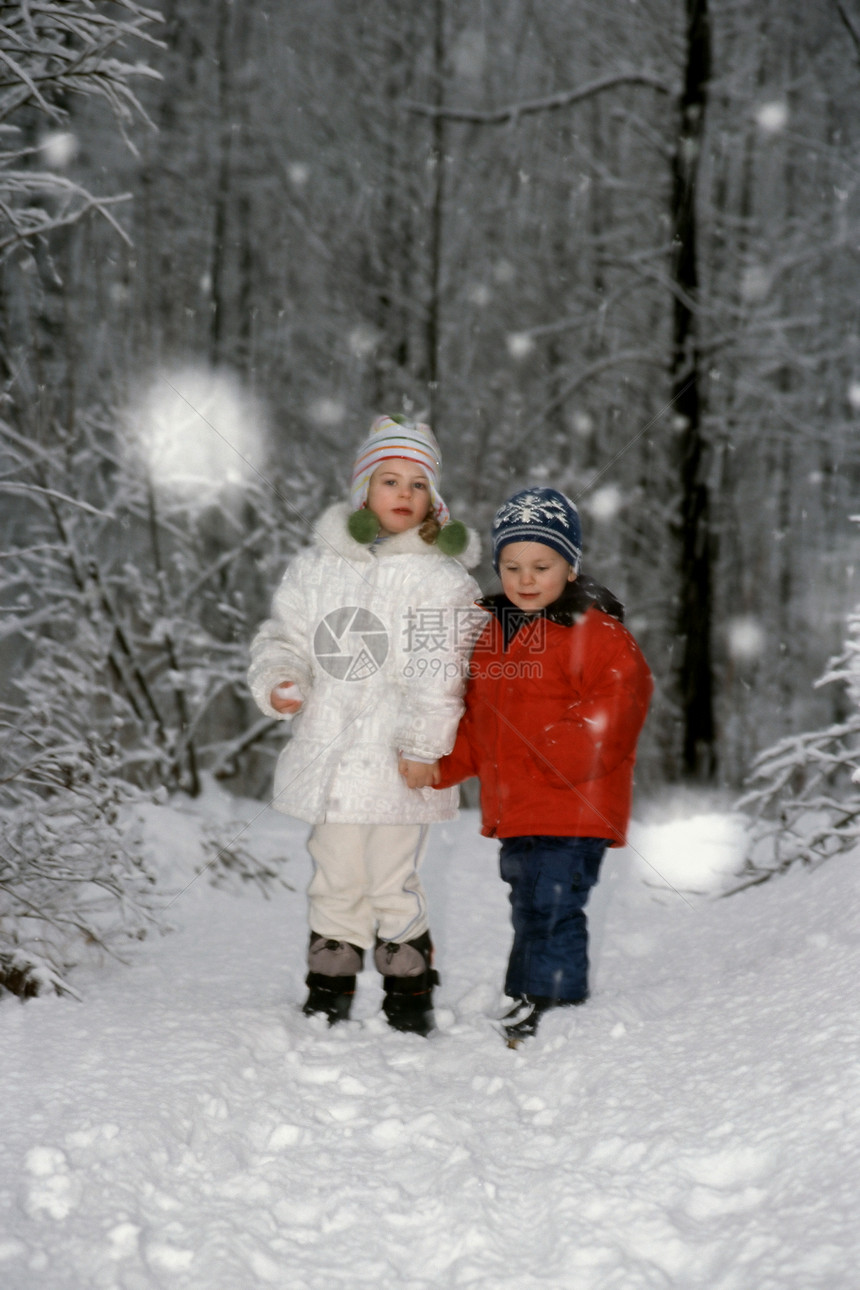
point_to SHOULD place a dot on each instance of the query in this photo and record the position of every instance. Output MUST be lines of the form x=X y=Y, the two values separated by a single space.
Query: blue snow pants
x=550 y=880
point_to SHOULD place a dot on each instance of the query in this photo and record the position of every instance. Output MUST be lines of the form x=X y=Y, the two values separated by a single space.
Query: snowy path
x=696 y=1125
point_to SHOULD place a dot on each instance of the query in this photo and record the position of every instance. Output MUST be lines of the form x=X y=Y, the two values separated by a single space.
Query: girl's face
x=398 y=495
x=533 y=575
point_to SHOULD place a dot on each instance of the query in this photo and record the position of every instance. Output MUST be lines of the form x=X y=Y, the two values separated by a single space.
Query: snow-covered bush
x=804 y=793
x=125 y=620
x=73 y=880
x=230 y=864
x=124 y=633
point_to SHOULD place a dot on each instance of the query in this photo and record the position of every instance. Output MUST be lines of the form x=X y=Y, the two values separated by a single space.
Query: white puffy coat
x=378 y=639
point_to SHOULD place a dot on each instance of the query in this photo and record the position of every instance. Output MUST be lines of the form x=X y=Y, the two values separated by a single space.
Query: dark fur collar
x=578 y=597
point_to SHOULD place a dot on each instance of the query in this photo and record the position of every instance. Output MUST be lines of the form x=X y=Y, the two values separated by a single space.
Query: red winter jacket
x=552 y=721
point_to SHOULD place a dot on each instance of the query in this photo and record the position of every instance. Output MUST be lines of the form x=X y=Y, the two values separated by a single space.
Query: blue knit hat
x=539 y=515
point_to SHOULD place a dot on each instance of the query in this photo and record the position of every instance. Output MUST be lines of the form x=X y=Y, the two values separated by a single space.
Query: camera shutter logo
x=351 y=643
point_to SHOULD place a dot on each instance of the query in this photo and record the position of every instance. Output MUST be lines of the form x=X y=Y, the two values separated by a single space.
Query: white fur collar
x=330 y=532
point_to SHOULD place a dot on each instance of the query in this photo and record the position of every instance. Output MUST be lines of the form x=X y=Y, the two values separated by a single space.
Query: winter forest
x=612 y=247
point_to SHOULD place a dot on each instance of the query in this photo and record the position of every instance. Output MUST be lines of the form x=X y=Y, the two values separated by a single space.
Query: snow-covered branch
x=51 y=54
x=7 y=486
x=804 y=793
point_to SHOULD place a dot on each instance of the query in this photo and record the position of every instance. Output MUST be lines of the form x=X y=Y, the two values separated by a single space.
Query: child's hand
x=419 y=774
x=286 y=698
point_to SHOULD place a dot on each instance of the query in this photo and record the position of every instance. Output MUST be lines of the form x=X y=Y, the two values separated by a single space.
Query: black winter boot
x=524 y=1018
x=408 y=979
x=408 y=1002
x=330 y=996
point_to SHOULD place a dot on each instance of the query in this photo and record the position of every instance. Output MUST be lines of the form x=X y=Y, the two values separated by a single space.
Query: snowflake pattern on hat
x=539 y=515
x=529 y=507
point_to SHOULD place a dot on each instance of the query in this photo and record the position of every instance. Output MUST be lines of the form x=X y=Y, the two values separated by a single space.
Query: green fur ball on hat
x=453 y=538
x=363 y=526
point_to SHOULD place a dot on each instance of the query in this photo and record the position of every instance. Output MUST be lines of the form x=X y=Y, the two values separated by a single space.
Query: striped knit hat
x=539 y=515
x=396 y=437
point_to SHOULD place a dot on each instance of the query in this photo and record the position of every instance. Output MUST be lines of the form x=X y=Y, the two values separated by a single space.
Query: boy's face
x=398 y=495
x=533 y=575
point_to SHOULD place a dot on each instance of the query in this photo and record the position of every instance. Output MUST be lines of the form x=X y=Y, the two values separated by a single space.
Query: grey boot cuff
x=404 y=958
x=330 y=957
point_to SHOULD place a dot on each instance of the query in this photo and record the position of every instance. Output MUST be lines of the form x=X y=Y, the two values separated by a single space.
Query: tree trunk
x=433 y=319
x=223 y=185
x=696 y=540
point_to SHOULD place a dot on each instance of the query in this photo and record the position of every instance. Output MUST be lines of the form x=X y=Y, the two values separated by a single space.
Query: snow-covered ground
x=697 y=1124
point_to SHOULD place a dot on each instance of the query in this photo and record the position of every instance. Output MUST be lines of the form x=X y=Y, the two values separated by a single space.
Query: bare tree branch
x=549 y=103
x=853 y=31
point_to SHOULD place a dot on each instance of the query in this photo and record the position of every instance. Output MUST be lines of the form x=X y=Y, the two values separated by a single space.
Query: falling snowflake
x=363 y=340
x=469 y=54
x=198 y=429
x=520 y=344
x=755 y=283
x=772 y=117
x=480 y=294
x=745 y=638
x=327 y=412
x=606 y=502
x=59 y=148
x=299 y=173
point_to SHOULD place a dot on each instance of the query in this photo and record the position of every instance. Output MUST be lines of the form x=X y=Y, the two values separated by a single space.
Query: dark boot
x=408 y=978
x=524 y=1017
x=408 y=1002
x=329 y=996
x=331 y=980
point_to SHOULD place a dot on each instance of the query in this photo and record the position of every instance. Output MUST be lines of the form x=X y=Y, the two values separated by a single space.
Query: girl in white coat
x=366 y=649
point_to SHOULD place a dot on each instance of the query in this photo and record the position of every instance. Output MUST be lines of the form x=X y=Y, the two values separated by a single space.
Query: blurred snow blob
x=582 y=423
x=199 y=431
x=363 y=340
x=327 y=412
x=695 y=852
x=480 y=294
x=854 y=396
x=59 y=148
x=519 y=344
x=746 y=638
x=298 y=173
x=470 y=53
x=605 y=503
x=772 y=117
x=755 y=283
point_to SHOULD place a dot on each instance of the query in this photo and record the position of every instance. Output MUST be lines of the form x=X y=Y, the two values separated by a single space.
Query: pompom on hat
x=397 y=437
x=539 y=515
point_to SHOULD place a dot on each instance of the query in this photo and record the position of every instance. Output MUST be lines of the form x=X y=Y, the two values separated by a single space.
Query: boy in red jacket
x=557 y=695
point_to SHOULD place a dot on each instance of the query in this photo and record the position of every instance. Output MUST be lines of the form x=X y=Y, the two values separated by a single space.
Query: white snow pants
x=366 y=882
